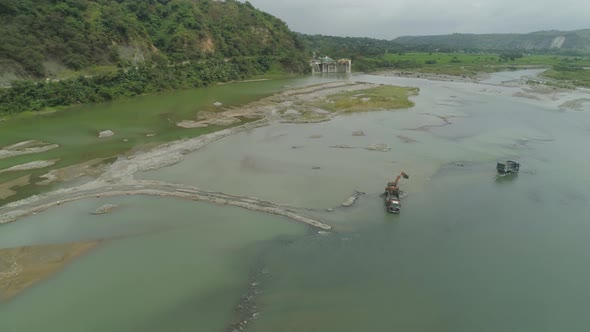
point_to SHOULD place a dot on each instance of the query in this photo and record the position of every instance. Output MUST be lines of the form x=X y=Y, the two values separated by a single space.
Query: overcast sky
x=388 y=19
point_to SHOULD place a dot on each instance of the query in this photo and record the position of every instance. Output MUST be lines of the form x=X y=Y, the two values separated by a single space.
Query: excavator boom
x=402 y=174
x=396 y=180
x=392 y=202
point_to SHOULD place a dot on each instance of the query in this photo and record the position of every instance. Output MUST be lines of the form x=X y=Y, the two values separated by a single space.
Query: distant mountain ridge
x=577 y=40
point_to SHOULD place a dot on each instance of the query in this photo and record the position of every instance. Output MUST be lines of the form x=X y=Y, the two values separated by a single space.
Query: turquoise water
x=469 y=252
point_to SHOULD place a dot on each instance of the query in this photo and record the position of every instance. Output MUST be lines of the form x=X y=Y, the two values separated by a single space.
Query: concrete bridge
x=328 y=65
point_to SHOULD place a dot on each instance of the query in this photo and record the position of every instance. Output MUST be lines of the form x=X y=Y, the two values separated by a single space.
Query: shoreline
x=163 y=189
x=269 y=110
x=120 y=174
x=118 y=179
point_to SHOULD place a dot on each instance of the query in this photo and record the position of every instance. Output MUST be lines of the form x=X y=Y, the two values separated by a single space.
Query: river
x=469 y=252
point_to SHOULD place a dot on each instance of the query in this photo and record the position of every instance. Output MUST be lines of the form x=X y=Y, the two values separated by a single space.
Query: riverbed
x=470 y=251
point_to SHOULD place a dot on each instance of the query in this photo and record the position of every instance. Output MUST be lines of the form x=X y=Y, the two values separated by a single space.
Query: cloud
x=392 y=18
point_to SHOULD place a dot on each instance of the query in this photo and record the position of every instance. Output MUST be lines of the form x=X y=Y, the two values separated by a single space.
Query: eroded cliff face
x=11 y=71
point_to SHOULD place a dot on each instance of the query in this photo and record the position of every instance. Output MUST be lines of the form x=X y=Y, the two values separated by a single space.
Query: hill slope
x=349 y=47
x=559 y=41
x=44 y=37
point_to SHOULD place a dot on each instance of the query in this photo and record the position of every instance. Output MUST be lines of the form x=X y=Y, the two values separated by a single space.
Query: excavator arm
x=394 y=183
x=391 y=186
x=402 y=174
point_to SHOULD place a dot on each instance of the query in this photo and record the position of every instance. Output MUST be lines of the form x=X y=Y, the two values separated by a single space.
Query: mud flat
x=22 y=267
x=93 y=167
x=6 y=187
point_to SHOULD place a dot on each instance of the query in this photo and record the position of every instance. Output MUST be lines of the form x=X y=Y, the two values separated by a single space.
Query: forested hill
x=41 y=38
x=349 y=47
x=549 y=41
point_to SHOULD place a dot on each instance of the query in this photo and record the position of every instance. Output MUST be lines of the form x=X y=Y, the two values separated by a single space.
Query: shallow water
x=469 y=252
x=172 y=265
x=279 y=162
x=137 y=121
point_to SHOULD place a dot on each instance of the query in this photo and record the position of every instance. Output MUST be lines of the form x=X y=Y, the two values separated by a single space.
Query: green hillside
x=63 y=52
x=42 y=38
x=349 y=47
x=361 y=50
x=567 y=42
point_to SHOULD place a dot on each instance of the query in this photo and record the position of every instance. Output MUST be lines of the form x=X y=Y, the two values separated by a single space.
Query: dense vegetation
x=563 y=68
x=422 y=54
x=452 y=59
x=63 y=52
x=34 y=96
x=128 y=47
x=349 y=46
x=364 y=52
x=41 y=34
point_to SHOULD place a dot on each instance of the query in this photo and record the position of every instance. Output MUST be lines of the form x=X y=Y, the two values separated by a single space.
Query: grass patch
x=579 y=77
x=378 y=98
x=483 y=59
x=470 y=64
x=275 y=72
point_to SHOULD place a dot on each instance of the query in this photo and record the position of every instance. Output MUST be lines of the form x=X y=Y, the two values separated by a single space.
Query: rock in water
x=406 y=139
x=350 y=201
x=342 y=146
x=105 y=209
x=217 y=104
x=352 y=198
x=106 y=133
x=358 y=133
x=191 y=124
x=226 y=121
x=379 y=147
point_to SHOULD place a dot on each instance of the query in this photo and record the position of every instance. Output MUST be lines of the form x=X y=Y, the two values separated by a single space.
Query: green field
x=484 y=59
x=469 y=65
x=577 y=77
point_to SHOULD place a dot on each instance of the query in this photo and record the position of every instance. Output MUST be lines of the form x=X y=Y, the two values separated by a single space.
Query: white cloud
x=393 y=18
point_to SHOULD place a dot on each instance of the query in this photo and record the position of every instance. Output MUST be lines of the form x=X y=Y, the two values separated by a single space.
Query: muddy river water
x=469 y=252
